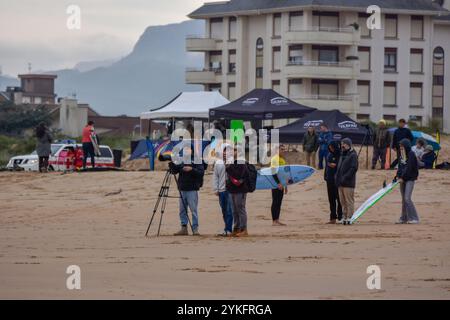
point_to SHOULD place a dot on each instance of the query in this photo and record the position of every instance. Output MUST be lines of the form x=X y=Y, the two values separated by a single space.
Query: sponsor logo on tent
x=313 y=123
x=347 y=125
x=250 y=101
x=269 y=115
x=279 y=101
x=212 y=113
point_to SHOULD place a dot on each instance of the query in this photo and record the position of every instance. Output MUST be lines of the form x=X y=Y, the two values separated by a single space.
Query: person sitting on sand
x=407 y=175
x=346 y=179
x=190 y=180
x=278 y=193
x=330 y=178
x=419 y=148
x=428 y=158
x=220 y=190
x=237 y=177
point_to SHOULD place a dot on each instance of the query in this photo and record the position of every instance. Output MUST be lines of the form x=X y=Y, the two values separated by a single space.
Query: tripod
x=162 y=201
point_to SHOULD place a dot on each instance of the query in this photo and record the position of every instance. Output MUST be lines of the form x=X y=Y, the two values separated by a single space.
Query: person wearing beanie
x=346 y=179
x=407 y=175
x=330 y=177
x=381 y=141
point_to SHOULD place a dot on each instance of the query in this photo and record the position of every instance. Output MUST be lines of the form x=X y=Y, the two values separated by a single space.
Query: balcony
x=320 y=35
x=202 y=44
x=322 y=70
x=348 y=104
x=203 y=76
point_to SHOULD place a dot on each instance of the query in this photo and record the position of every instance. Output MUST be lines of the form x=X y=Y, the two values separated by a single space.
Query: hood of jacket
x=407 y=145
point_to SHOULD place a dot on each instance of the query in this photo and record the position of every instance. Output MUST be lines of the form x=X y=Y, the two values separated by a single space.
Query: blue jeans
x=227 y=210
x=190 y=199
x=323 y=154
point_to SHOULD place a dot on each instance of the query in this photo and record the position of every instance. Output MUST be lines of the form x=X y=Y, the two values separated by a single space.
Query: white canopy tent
x=188 y=105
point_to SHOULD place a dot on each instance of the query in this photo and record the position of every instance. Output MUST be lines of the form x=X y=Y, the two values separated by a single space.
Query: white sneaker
x=400 y=222
x=413 y=222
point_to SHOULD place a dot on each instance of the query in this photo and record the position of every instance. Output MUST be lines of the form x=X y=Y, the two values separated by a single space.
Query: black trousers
x=277 y=200
x=43 y=163
x=335 y=203
x=88 y=150
x=396 y=161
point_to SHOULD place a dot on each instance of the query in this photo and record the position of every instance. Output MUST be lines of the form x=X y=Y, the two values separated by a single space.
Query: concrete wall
x=72 y=119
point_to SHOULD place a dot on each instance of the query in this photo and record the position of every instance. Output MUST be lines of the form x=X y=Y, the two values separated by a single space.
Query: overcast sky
x=36 y=31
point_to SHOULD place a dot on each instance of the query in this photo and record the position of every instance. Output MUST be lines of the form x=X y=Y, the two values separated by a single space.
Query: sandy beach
x=49 y=222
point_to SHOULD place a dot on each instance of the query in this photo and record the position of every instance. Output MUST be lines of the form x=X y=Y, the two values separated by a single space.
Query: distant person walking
x=43 y=146
x=346 y=179
x=330 y=177
x=237 y=177
x=310 y=147
x=381 y=142
x=325 y=137
x=401 y=133
x=220 y=190
x=277 y=161
x=88 y=146
x=407 y=175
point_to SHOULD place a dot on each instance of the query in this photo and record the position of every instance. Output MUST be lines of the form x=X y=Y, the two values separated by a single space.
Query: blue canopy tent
x=422 y=135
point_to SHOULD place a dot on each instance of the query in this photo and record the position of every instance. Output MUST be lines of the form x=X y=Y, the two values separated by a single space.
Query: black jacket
x=399 y=135
x=333 y=157
x=408 y=169
x=237 y=176
x=310 y=142
x=381 y=138
x=189 y=181
x=346 y=169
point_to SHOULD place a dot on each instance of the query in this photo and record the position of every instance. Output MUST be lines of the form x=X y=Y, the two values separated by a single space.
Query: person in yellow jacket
x=277 y=161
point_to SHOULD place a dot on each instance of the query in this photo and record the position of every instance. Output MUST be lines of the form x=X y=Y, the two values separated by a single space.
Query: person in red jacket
x=88 y=146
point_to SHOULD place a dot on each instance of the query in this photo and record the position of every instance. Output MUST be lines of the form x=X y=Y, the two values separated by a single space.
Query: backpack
x=252 y=176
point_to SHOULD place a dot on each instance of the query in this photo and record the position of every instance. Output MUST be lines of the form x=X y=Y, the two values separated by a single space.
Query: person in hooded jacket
x=346 y=179
x=407 y=175
x=334 y=149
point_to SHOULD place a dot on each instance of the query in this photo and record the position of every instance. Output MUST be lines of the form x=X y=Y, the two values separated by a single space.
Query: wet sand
x=97 y=221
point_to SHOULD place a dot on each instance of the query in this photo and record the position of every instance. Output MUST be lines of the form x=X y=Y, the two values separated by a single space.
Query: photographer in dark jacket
x=190 y=180
x=407 y=174
x=346 y=179
x=330 y=177
x=237 y=187
x=401 y=133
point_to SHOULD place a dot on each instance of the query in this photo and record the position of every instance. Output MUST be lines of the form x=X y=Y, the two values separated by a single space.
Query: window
x=390 y=118
x=26 y=100
x=276 y=85
x=362 y=21
x=215 y=63
x=296 y=54
x=364 y=58
x=415 y=94
x=364 y=92
x=295 y=88
x=276 y=59
x=37 y=100
x=277 y=25
x=328 y=88
x=296 y=21
x=326 y=20
x=233 y=28
x=216 y=28
x=417 y=27
x=416 y=61
x=390 y=59
x=438 y=85
x=215 y=87
x=232 y=62
x=231 y=91
x=390 y=94
x=416 y=119
x=259 y=63
x=325 y=53
x=390 y=26
x=363 y=117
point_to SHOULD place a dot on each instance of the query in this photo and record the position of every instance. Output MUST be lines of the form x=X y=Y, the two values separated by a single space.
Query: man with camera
x=190 y=180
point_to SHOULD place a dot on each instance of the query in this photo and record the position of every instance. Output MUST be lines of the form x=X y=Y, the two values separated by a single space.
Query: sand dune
x=97 y=221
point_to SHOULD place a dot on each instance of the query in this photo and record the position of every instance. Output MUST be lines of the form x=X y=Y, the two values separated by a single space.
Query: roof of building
x=37 y=76
x=255 y=6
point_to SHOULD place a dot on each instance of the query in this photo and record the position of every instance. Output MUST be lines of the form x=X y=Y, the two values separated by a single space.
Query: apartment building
x=322 y=54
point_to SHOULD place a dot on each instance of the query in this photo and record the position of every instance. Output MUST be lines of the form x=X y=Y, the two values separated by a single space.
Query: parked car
x=65 y=156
